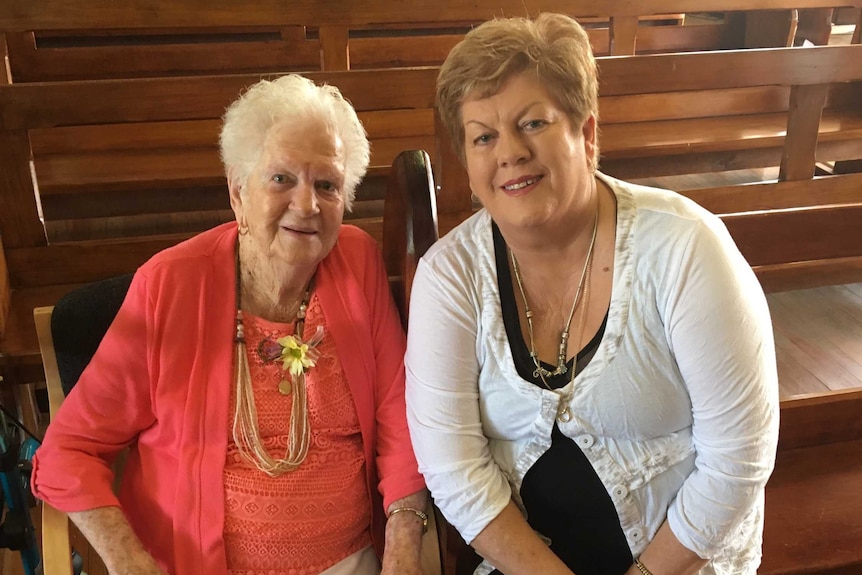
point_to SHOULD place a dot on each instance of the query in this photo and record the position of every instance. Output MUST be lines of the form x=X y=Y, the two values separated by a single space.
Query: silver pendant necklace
x=564 y=413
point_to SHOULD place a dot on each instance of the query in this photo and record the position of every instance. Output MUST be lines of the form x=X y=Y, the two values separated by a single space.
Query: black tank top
x=564 y=497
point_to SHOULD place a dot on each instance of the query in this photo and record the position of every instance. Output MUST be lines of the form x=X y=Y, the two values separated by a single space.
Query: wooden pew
x=125 y=168
x=50 y=40
x=813 y=500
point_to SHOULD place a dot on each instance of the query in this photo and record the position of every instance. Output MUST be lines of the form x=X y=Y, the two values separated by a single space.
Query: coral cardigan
x=161 y=383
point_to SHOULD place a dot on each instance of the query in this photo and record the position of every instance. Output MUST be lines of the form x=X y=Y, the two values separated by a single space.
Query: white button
x=636 y=534
x=619 y=491
x=585 y=441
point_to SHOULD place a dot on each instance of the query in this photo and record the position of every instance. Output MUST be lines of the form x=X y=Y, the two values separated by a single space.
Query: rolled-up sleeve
x=443 y=409
x=719 y=329
x=105 y=411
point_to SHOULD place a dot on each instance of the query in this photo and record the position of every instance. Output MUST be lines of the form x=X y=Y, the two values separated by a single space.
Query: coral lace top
x=303 y=521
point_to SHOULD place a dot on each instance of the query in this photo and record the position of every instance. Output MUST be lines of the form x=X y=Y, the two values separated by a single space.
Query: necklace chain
x=246 y=433
x=564 y=413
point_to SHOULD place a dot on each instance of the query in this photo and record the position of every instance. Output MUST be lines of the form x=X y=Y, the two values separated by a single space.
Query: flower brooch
x=297 y=356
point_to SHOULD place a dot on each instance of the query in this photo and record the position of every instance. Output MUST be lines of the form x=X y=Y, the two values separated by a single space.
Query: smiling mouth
x=522 y=185
x=298 y=231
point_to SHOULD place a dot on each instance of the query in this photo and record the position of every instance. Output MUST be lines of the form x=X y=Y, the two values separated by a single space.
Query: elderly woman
x=591 y=382
x=256 y=373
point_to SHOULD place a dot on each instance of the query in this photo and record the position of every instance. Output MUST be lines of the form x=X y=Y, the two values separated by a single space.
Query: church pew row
x=124 y=168
x=50 y=40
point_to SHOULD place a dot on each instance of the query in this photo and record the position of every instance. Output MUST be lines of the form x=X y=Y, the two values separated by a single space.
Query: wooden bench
x=50 y=40
x=125 y=168
x=813 y=499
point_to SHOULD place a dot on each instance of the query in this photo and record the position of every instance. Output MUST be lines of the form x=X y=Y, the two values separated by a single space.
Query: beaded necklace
x=298 y=357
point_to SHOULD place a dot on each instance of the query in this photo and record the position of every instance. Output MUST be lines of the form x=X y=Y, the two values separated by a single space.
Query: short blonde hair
x=291 y=98
x=554 y=45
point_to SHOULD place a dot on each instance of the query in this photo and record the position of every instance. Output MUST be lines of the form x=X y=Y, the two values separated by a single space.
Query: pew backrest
x=50 y=40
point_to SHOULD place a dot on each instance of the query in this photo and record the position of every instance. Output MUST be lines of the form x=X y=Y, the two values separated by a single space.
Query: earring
x=243 y=228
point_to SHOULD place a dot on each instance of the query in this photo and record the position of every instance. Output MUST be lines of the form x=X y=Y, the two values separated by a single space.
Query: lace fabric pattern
x=303 y=521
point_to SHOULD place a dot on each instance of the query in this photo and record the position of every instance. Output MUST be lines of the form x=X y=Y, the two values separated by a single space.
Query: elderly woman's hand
x=109 y=532
x=404 y=532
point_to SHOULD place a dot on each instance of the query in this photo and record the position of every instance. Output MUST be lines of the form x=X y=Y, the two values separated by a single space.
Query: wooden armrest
x=56 y=551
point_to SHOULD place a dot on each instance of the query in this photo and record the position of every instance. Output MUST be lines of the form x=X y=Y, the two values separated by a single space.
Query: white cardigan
x=677 y=411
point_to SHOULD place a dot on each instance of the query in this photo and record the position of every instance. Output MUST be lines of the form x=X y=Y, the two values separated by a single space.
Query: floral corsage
x=297 y=356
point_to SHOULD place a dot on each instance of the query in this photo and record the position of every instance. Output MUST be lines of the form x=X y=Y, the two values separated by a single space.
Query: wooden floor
x=818 y=338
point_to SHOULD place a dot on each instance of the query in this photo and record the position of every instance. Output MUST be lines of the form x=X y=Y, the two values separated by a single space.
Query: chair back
x=80 y=320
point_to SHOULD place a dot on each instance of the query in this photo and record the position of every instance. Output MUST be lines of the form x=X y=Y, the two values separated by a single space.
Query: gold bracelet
x=421 y=514
x=641 y=567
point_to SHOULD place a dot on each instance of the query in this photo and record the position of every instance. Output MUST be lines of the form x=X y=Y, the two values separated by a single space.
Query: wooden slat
x=820 y=418
x=657 y=39
x=167 y=168
x=67 y=14
x=624 y=32
x=82 y=262
x=700 y=163
x=659 y=73
x=19 y=219
x=5 y=290
x=85 y=204
x=39 y=105
x=198 y=133
x=809 y=274
x=401 y=51
x=770 y=28
x=821 y=191
x=819 y=233
x=803 y=123
x=334 y=54
x=719 y=133
x=692 y=104
x=101 y=62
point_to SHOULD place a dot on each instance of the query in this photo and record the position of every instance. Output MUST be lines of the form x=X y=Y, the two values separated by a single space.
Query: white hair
x=286 y=99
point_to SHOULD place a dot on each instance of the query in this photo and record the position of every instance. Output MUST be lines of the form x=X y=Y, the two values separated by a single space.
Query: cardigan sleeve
x=443 y=408
x=105 y=411
x=718 y=326
x=396 y=464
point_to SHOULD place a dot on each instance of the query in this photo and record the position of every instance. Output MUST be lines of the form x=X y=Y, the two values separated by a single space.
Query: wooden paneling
x=66 y=14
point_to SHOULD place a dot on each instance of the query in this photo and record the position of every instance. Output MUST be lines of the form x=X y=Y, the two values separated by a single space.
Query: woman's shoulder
x=468 y=241
x=195 y=253
x=658 y=201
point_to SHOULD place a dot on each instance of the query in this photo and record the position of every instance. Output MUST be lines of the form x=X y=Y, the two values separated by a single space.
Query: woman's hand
x=666 y=555
x=510 y=544
x=404 y=532
x=109 y=533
